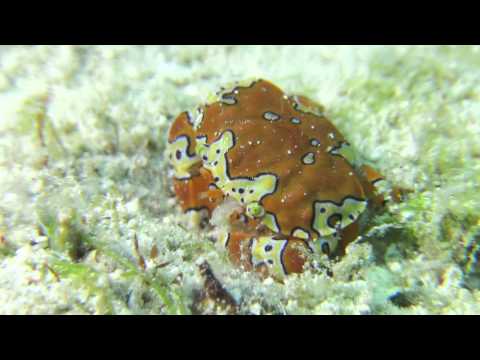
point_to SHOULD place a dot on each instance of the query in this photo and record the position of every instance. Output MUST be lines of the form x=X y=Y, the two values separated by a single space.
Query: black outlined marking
x=312 y=222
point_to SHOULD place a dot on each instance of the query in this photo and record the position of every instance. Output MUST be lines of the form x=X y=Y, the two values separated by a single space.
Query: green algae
x=85 y=277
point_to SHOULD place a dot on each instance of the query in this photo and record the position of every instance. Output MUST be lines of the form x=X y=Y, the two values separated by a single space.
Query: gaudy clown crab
x=285 y=181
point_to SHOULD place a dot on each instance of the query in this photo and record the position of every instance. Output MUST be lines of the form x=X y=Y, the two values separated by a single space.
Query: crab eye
x=254 y=209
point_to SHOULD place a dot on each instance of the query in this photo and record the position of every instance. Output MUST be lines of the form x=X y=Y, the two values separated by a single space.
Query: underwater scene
x=240 y=180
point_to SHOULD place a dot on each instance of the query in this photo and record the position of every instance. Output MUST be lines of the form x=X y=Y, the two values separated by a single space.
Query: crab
x=273 y=175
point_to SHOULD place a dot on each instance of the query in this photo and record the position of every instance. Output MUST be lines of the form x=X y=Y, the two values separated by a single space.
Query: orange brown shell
x=284 y=163
x=273 y=136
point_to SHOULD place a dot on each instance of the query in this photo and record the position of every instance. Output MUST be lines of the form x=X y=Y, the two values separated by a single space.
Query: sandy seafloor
x=83 y=179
